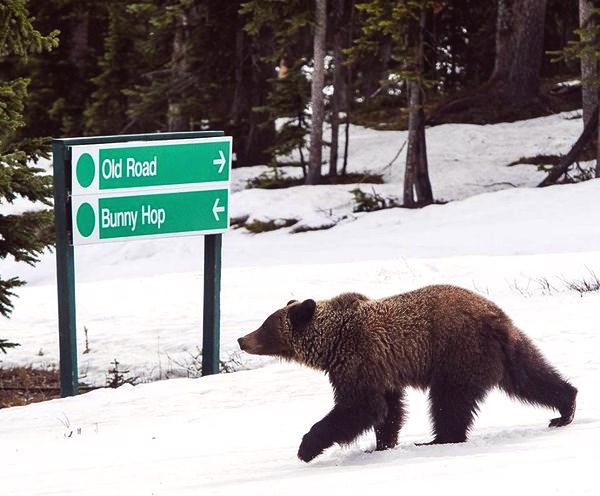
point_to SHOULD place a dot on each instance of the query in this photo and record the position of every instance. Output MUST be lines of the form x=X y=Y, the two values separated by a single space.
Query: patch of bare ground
x=23 y=385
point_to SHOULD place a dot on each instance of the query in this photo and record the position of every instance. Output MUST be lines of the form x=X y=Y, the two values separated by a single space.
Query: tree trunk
x=80 y=40
x=528 y=45
x=597 y=174
x=317 y=103
x=338 y=80
x=254 y=135
x=79 y=57
x=348 y=91
x=589 y=65
x=180 y=68
x=335 y=113
x=417 y=186
x=240 y=92
x=412 y=150
x=423 y=184
x=588 y=132
x=504 y=52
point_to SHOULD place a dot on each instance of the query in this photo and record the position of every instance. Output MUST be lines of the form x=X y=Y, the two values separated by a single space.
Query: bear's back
x=436 y=329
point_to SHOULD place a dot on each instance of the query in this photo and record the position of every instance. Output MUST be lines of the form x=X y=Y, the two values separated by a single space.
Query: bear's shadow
x=353 y=456
x=478 y=443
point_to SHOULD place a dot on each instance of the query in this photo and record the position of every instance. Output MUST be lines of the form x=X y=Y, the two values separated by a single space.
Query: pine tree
x=403 y=22
x=196 y=68
x=147 y=88
x=22 y=236
x=298 y=29
x=254 y=132
x=61 y=80
x=122 y=67
x=282 y=30
x=288 y=100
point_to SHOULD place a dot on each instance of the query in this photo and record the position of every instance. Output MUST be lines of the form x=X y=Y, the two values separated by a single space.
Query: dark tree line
x=168 y=65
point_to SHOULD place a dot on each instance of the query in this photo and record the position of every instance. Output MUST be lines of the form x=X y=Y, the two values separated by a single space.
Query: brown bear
x=449 y=340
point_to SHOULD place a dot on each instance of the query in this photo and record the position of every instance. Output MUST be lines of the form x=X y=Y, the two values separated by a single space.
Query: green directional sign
x=99 y=168
x=98 y=219
x=138 y=189
x=139 y=186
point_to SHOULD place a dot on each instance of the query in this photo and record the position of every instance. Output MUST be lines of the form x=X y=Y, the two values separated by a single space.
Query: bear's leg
x=453 y=407
x=350 y=417
x=532 y=379
x=387 y=432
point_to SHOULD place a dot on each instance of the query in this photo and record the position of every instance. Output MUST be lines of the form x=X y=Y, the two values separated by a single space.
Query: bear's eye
x=286 y=324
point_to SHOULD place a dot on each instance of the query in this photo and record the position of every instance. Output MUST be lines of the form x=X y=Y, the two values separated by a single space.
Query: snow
x=238 y=433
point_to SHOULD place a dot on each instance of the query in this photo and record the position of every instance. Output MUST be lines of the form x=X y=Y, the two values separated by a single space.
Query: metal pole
x=212 y=304
x=65 y=273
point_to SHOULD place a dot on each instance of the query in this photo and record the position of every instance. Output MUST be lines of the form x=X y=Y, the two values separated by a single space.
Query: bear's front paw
x=311 y=446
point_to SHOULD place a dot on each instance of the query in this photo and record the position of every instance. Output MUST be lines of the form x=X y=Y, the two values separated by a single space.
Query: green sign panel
x=99 y=168
x=98 y=219
x=150 y=189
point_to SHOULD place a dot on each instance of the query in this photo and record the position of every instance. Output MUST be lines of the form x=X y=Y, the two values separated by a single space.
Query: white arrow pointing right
x=217 y=209
x=220 y=161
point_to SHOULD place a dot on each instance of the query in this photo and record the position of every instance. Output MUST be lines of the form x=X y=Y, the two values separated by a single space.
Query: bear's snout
x=258 y=343
x=249 y=343
x=266 y=340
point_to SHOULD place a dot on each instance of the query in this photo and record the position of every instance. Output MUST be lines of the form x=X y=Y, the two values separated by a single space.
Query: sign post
x=212 y=304
x=65 y=275
x=117 y=188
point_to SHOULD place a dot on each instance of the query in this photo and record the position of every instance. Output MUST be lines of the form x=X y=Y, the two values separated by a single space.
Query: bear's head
x=278 y=335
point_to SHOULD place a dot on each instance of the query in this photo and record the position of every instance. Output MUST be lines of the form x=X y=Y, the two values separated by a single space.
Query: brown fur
x=449 y=340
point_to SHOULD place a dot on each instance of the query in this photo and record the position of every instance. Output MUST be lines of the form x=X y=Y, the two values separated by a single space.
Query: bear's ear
x=301 y=314
x=290 y=302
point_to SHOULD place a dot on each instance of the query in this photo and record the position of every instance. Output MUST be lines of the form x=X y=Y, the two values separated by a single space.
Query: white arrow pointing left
x=220 y=161
x=217 y=209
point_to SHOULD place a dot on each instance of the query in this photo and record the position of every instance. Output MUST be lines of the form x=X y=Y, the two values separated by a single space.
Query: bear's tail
x=530 y=378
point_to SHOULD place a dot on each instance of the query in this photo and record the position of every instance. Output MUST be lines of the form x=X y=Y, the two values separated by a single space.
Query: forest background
x=179 y=65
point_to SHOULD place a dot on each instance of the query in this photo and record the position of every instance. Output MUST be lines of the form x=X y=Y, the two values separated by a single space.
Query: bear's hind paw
x=567 y=416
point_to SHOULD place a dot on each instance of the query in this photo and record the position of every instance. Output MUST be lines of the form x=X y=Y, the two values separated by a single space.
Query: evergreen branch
x=6 y=293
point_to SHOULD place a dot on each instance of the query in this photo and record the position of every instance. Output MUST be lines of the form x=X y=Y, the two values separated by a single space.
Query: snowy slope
x=141 y=302
x=239 y=433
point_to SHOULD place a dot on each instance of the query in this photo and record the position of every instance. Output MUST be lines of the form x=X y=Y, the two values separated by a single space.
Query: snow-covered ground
x=238 y=433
